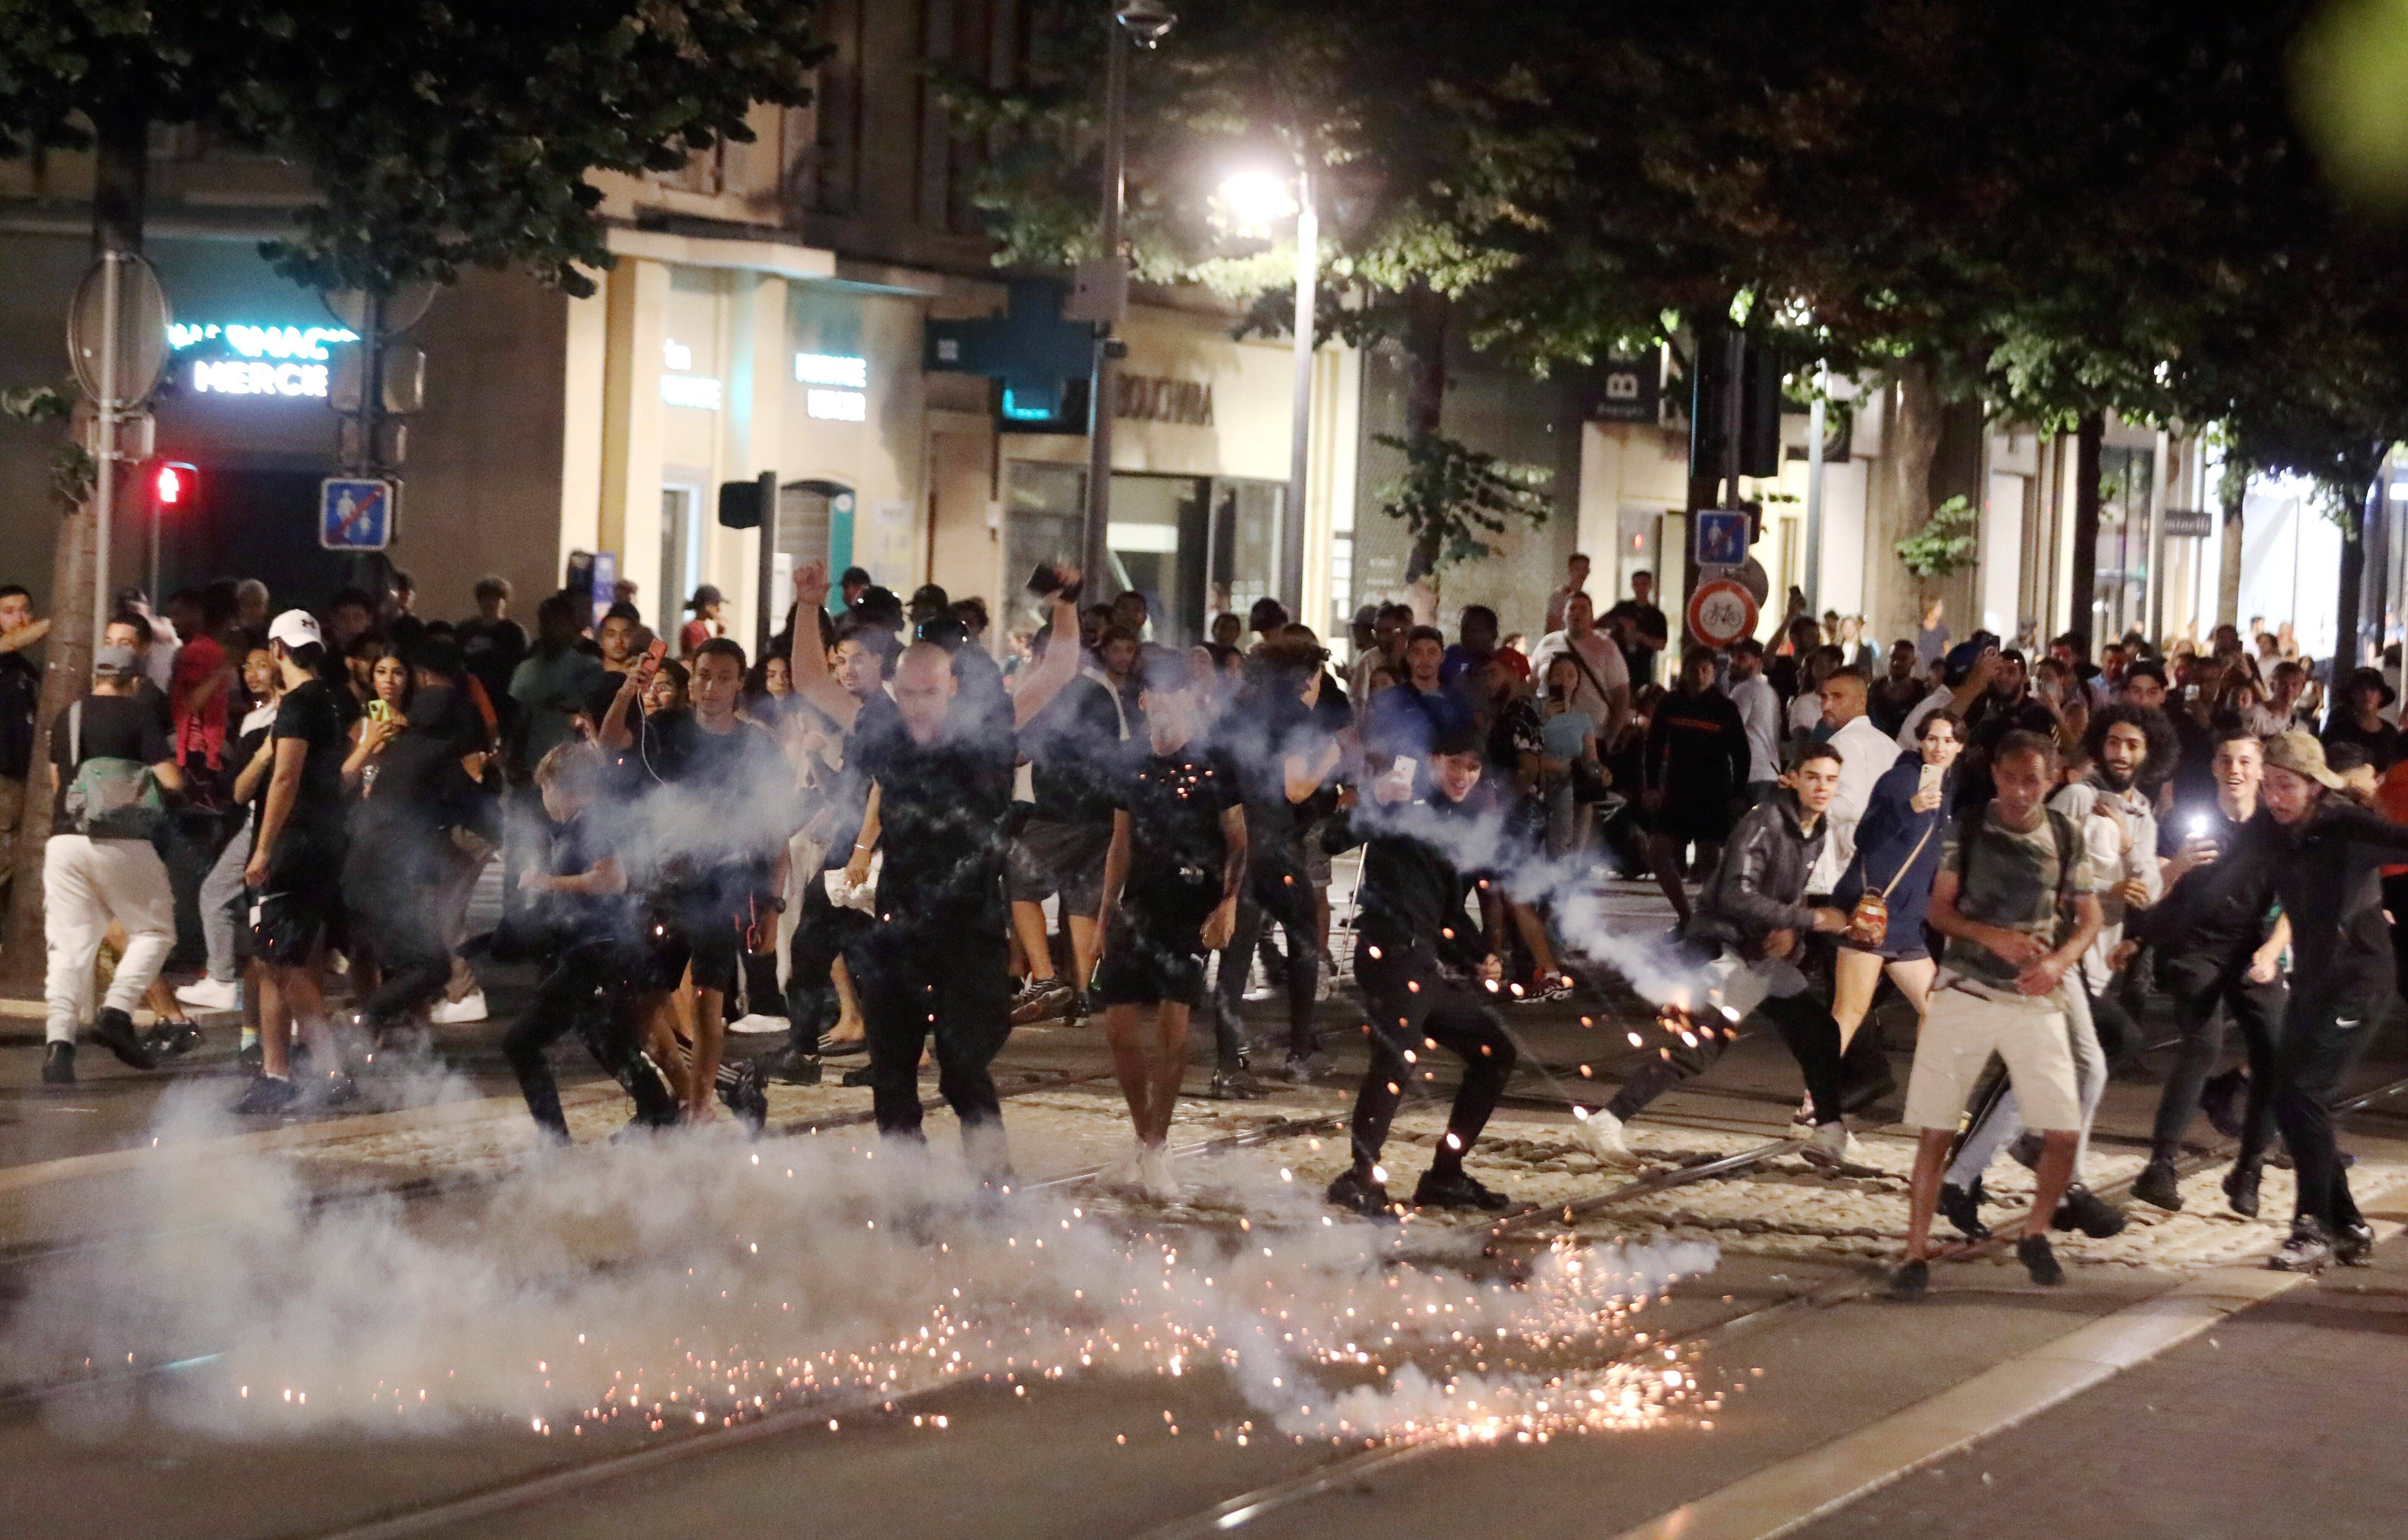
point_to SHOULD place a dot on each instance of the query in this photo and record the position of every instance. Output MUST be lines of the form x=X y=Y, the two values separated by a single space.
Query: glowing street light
x=1257 y=200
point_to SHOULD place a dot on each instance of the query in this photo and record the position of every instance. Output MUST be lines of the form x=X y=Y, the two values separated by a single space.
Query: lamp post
x=1141 y=23
x=1258 y=199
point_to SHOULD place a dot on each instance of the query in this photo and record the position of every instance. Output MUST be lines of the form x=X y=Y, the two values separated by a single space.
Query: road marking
x=1786 y=1496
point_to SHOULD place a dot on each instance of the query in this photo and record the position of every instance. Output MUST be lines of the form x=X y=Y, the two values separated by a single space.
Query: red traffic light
x=172 y=485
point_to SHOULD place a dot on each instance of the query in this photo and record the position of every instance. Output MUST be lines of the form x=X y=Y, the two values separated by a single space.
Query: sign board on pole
x=1721 y=612
x=356 y=513
x=131 y=324
x=606 y=583
x=1719 y=537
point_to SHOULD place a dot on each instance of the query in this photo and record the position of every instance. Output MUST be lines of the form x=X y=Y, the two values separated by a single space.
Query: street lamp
x=1142 y=24
x=1256 y=199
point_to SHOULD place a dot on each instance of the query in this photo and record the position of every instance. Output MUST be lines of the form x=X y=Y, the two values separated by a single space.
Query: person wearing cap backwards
x=296 y=868
x=2320 y=855
x=706 y=605
x=107 y=752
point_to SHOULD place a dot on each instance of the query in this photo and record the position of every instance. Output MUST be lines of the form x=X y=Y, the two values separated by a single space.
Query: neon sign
x=262 y=342
x=234 y=376
x=841 y=379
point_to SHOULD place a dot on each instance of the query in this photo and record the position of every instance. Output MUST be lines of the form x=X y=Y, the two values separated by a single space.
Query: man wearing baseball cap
x=111 y=759
x=296 y=866
x=2321 y=856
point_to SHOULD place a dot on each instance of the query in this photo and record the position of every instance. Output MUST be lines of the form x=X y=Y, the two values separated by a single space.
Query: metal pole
x=103 y=486
x=1095 y=554
x=1307 y=275
x=765 y=570
x=2153 y=593
x=1734 y=404
x=1814 y=492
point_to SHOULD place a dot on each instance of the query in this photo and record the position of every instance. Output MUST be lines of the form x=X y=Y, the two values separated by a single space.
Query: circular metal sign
x=1721 y=612
x=141 y=323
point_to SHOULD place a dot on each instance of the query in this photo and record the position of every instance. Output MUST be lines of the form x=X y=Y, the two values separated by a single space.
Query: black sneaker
x=337 y=1090
x=58 y=1064
x=173 y=1039
x=1039 y=1000
x=791 y=1066
x=745 y=1095
x=1910 y=1281
x=2220 y=1098
x=1076 y=1010
x=1237 y=1084
x=2040 y=1259
x=855 y=1077
x=268 y=1094
x=1303 y=1069
x=2157 y=1185
x=1962 y=1208
x=1359 y=1194
x=1457 y=1189
x=114 y=1031
x=2354 y=1246
x=2085 y=1210
x=2241 y=1190
x=2305 y=1251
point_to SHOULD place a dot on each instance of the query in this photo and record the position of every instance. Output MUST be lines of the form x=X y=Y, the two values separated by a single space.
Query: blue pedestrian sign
x=356 y=514
x=1721 y=538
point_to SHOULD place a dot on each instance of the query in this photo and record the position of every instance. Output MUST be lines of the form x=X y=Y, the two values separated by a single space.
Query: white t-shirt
x=1759 y=711
x=1866 y=753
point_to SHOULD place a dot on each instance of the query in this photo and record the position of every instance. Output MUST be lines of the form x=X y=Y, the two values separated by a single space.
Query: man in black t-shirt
x=1171 y=876
x=707 y=833
x=1078 y=751
x=296 y=865
x=937 y=964
x=107 y=752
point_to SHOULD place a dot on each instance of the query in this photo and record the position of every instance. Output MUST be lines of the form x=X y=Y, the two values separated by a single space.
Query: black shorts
x=298 y=912
x=1049 y=857
x=1151 y=959
x=1704 y=819
x=707 y=936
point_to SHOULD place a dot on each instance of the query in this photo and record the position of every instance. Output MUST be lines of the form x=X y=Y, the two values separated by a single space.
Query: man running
x=937 y=964
x=1429 y=982
x=2008 y=878
x=1171 y=881
x=1751 y=926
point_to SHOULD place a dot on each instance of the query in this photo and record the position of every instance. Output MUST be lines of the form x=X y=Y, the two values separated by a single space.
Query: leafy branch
x=71 y=467
x=1452 y=497
x=1945 y=543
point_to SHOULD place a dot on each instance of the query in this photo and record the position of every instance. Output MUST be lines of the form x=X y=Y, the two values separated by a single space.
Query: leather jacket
x=1759 y=886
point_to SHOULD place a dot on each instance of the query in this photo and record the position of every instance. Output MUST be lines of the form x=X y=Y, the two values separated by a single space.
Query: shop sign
x=283 y=361
x=678 y=389
x=2196 y=523
x=234 y=376
x=306 y=343
x=1157 y=398
x=838 y=381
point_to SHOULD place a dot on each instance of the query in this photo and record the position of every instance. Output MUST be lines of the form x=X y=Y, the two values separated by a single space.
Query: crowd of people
x=877 y=840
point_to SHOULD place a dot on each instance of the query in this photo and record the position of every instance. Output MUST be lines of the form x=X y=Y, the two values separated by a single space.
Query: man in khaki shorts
x=2017 y=899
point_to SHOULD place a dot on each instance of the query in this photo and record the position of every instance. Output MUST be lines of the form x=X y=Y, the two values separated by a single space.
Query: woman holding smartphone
x=389 y=681
x=1898 y=854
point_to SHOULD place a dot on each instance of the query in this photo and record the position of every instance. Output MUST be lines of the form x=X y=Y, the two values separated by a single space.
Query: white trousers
x=86 y=883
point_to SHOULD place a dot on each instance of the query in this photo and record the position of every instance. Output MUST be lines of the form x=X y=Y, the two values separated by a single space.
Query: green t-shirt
x=2011 y=878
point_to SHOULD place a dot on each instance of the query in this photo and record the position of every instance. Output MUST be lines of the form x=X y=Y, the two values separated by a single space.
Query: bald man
x=1865 y=753
x=935 y=962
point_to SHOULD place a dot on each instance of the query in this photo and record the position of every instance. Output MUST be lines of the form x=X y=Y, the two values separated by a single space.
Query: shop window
x=2120 y=597
x=1045 y=510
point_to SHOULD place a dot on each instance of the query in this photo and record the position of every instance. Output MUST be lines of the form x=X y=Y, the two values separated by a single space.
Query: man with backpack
x=2018 y=898
x=110 y=760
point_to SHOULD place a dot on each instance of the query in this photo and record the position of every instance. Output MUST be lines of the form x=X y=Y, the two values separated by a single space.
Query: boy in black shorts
x=1171 y=876
x=590 y=921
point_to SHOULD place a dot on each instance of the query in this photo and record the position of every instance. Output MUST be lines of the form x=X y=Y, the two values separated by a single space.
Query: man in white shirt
x=1759 y=712
x=1604 y=690
x=1865 y=752
x=1575 y=580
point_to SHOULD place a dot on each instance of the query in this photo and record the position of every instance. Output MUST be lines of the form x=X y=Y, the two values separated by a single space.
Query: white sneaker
x=1128 y=1173
x=1601 y=1130
x=216 y=994
x=461 y=1012
x=1831 y=1143
x=757 y=1025
x=1153 y=1177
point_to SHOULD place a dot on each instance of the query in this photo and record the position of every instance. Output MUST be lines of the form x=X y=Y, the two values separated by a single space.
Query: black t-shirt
x=1643 y=621
x=711 y=811
x=1177 y=853
x=21 y=694
x=113 y=727
x=312 y=713
x=579 y=846
x=493 y=650
x=2220 y=909
x=941 y=813
x=2382 y=742
x=1077 y=752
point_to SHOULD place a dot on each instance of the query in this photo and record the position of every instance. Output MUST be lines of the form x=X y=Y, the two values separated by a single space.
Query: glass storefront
x=2120 y=598
x=1195 y=545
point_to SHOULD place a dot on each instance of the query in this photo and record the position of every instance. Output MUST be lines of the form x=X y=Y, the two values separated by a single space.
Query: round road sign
x=1721 y=612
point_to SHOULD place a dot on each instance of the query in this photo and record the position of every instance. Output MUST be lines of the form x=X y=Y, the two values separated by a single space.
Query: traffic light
x=175 y=486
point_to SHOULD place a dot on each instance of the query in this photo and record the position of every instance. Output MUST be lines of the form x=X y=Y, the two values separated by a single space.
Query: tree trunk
x=1428 y=319
x=2232 y=489
x=2347 y=652
x=2089 y=438
x=1960 y=468
x=1909 y=440
x=118 y=192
